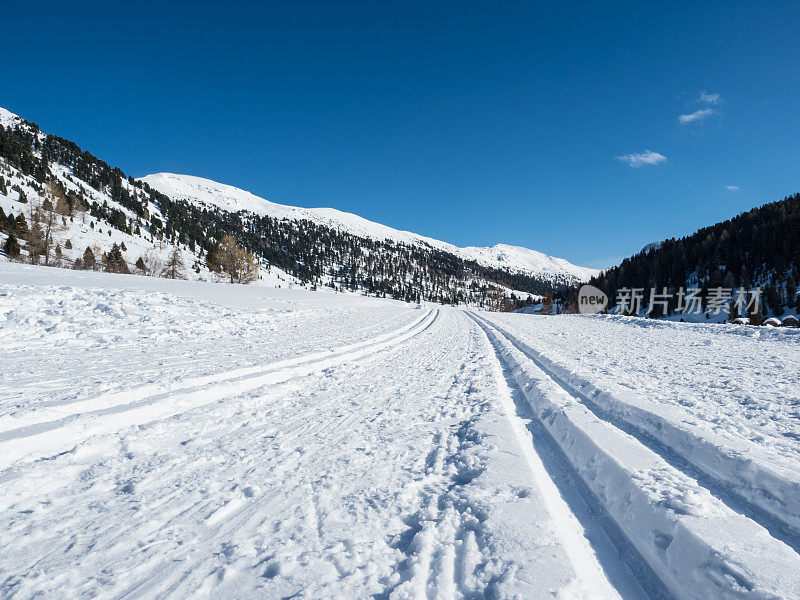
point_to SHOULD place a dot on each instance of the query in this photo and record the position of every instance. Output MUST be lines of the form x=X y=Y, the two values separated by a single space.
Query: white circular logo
x=591 y=300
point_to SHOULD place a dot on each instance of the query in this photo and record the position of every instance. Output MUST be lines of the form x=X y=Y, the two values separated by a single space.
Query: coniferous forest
x=313 y=253
x=758 y=248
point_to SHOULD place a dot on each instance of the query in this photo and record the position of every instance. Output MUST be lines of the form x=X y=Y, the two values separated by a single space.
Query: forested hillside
x=45 y=178
x=756 y=249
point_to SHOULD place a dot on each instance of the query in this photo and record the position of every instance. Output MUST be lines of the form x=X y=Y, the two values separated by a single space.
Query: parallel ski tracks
x=624 y=565
x=550 y=451
x=79 y=420
x=778 y=528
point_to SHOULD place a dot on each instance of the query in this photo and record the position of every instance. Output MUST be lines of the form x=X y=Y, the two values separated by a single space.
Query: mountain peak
x=8 y=118
x=211 y=194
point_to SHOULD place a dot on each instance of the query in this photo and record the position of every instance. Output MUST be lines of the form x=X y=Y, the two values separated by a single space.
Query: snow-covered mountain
x=207 y=193
x=101 y=210
x=110 y=211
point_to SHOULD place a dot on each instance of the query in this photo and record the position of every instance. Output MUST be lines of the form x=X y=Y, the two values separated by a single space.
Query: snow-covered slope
x=518 y=258
x=7 y=117
x=226 y=197
x=74 y=234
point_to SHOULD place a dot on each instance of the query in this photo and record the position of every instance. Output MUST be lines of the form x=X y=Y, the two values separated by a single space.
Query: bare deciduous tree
x=547 y=305
x=45 y=218
x=174 y=269
x=79 y=206
x=153 y=263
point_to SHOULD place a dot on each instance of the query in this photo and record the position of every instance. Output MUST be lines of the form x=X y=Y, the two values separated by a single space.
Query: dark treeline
x=758 y=248
x=311 y=252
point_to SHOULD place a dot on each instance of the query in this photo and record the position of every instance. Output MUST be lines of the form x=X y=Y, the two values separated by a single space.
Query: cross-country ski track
x=175 y=442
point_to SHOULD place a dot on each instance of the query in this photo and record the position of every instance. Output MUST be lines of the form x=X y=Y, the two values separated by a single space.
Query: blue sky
x=527 y=123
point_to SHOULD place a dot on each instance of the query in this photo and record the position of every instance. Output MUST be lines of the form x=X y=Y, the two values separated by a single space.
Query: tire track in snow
x=480 y=498
x=439 y=555
x=22 y=386
x=55 y=411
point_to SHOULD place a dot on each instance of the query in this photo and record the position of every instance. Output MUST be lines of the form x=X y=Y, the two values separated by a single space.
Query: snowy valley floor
x=185 y=440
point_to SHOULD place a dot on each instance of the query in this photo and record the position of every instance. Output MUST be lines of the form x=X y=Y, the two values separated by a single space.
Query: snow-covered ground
x=176 y=439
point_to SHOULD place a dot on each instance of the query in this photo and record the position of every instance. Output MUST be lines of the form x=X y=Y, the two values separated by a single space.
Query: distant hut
x=790 y=321
x=742 y=321
x=772 y=322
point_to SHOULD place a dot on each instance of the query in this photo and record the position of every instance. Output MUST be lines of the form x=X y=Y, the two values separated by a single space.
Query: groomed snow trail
x=722 y=400
x=693 y=539
x=360 y=449
x=181 y=440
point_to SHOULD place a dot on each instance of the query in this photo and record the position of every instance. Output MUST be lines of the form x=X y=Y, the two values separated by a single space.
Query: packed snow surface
x=176 y=439
x=212 y=194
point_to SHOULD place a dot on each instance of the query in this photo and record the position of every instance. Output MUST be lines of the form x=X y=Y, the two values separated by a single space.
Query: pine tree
x=88 y=258
x=21 y=227
x=68 y=245
x=35 y=244
x=140 y=264
x=791 y=292
x=115 y=262
x=11 y=247
x=756 y=318
x=212 y=260
x=53 y=207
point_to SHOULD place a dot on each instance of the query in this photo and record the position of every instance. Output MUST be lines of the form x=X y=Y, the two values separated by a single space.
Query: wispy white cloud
x=710 y=98
x=732 y=188
x=697 y=116
x=639 y=159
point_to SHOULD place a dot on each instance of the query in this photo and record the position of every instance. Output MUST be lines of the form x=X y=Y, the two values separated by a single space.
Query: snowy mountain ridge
x=150 y=218
x=210 y=194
